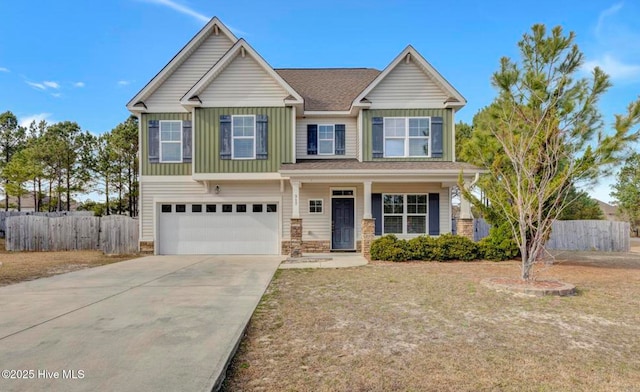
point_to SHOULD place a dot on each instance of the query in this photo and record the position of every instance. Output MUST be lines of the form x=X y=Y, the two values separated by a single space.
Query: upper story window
x=326 y=140
x=170 y=141
x=407 y=137
x=243 y=137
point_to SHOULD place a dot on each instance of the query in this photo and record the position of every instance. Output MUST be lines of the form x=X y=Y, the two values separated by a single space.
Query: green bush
x=390 y=248
x=443 y=248
x=499 y=245
x=456 y=247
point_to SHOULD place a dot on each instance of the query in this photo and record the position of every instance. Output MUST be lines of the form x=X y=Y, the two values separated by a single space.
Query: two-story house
x=240 y=158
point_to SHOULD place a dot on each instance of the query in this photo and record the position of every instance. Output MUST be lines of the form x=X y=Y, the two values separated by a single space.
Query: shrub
x=423 y=248
x=390 y=248
x=499 y=245
x=455 y=247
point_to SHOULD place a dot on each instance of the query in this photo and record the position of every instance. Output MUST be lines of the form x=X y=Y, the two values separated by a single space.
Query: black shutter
x=186 y=141
x=154 y=141
x=312 y=139
x=262 y=136
x=436 y=137
x=376 y=211
x=434 y=214
x=340 y=139
x=377 y=137
x=225 y=136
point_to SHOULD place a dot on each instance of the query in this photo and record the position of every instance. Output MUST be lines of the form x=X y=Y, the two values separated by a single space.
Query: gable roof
x=328 y=89
x=455 y=99
x=137 y=102
x=243 y=48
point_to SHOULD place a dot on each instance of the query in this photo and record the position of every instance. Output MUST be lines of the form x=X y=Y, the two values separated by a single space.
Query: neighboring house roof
x=240 y=48
x=328 y=89
x=214 y=25
x=27 y=202
x=610 y=212
x=354 y=164
x=455 y=99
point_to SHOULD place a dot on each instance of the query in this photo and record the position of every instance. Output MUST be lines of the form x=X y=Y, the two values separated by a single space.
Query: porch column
x=464 y=225
x=295 y=199
x=296 y=222
x=367 y=200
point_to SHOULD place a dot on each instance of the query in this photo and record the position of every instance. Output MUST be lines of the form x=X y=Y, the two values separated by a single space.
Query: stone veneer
x=296 y=238
x=464 y=228
x=368 y=234
x=146 y=247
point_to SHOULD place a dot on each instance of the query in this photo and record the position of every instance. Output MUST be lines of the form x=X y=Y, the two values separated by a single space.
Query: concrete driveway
x=164 y=323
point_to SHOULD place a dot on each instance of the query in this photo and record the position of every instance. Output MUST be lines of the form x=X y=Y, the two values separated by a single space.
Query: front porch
x=343 y=206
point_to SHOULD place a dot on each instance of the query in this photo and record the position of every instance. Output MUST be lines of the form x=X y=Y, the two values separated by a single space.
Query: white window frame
x=321 y=206
x=406 y=138
x=333 y=139
x=233 y=138
x=179 y=142
x=405 y=213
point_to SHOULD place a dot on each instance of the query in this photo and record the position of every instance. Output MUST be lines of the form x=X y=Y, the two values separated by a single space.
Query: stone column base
x=296 y=238
x=368 y=234
x=464 y=228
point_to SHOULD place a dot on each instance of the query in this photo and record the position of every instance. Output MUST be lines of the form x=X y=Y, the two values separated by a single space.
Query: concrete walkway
x=325 y=260
x=164 y=323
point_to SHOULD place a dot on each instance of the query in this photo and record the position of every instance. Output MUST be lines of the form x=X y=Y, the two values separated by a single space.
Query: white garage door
x=222 y=228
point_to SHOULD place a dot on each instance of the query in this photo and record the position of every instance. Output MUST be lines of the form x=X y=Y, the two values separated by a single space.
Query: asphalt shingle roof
x=328 y=89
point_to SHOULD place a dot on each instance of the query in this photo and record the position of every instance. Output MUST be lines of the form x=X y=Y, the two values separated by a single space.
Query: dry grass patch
x=22 y=266
x=433 y=327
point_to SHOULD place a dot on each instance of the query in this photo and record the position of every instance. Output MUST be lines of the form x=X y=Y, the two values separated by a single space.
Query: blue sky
x=83 y=60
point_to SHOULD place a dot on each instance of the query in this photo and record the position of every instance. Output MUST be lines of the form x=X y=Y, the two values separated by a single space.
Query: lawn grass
x=23 y=266
x=433 y=327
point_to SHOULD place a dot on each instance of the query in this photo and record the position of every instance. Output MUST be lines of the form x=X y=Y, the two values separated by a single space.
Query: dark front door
x=342 y=227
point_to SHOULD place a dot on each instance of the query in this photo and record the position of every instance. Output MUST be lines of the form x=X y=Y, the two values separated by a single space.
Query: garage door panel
x=218 y=233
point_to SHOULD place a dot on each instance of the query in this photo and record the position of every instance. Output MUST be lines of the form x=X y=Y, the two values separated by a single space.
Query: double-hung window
x=326 y=139
x=170 y=141
x=244 y=137
x=404 y=214
x=407 y=137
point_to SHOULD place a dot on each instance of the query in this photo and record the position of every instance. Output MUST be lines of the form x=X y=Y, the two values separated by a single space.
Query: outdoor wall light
x=217 y=189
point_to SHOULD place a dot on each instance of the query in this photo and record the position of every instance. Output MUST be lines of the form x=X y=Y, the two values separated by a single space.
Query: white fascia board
x=186 y=51
x=226 y=60
x=235 y=176
x=428 y=68
x=390 y=172
x=161 y=179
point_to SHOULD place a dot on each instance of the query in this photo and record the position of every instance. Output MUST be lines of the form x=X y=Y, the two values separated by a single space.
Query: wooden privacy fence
x=600 y=235
x=5 y=214
x=112 y=234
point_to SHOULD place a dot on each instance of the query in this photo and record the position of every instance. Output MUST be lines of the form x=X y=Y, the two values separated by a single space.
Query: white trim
x=426 y=67
x=162 y=179
x=407 y=138
x=329 y=113
x=233 y=138
x=160 y=142
x=178 y=59
x=193 y=141
x=224 y=62
x=405 y=213
x=333 y=139
x=355 y=210
x=237 y=176
x=321 y=207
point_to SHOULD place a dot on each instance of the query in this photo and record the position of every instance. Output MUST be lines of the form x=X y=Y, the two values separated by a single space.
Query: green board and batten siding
x=161 y=169
x=447 y=126
x=207 y=141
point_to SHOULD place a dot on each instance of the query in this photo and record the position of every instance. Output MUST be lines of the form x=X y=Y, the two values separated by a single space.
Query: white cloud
x=3 y=69
x=27 y=120
x=123 y=83
x=605 y=14
x=615 y=68
x=38 y=86
x=79 y=84
x=56 y=95
x=183 y=9
x=51 y=84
